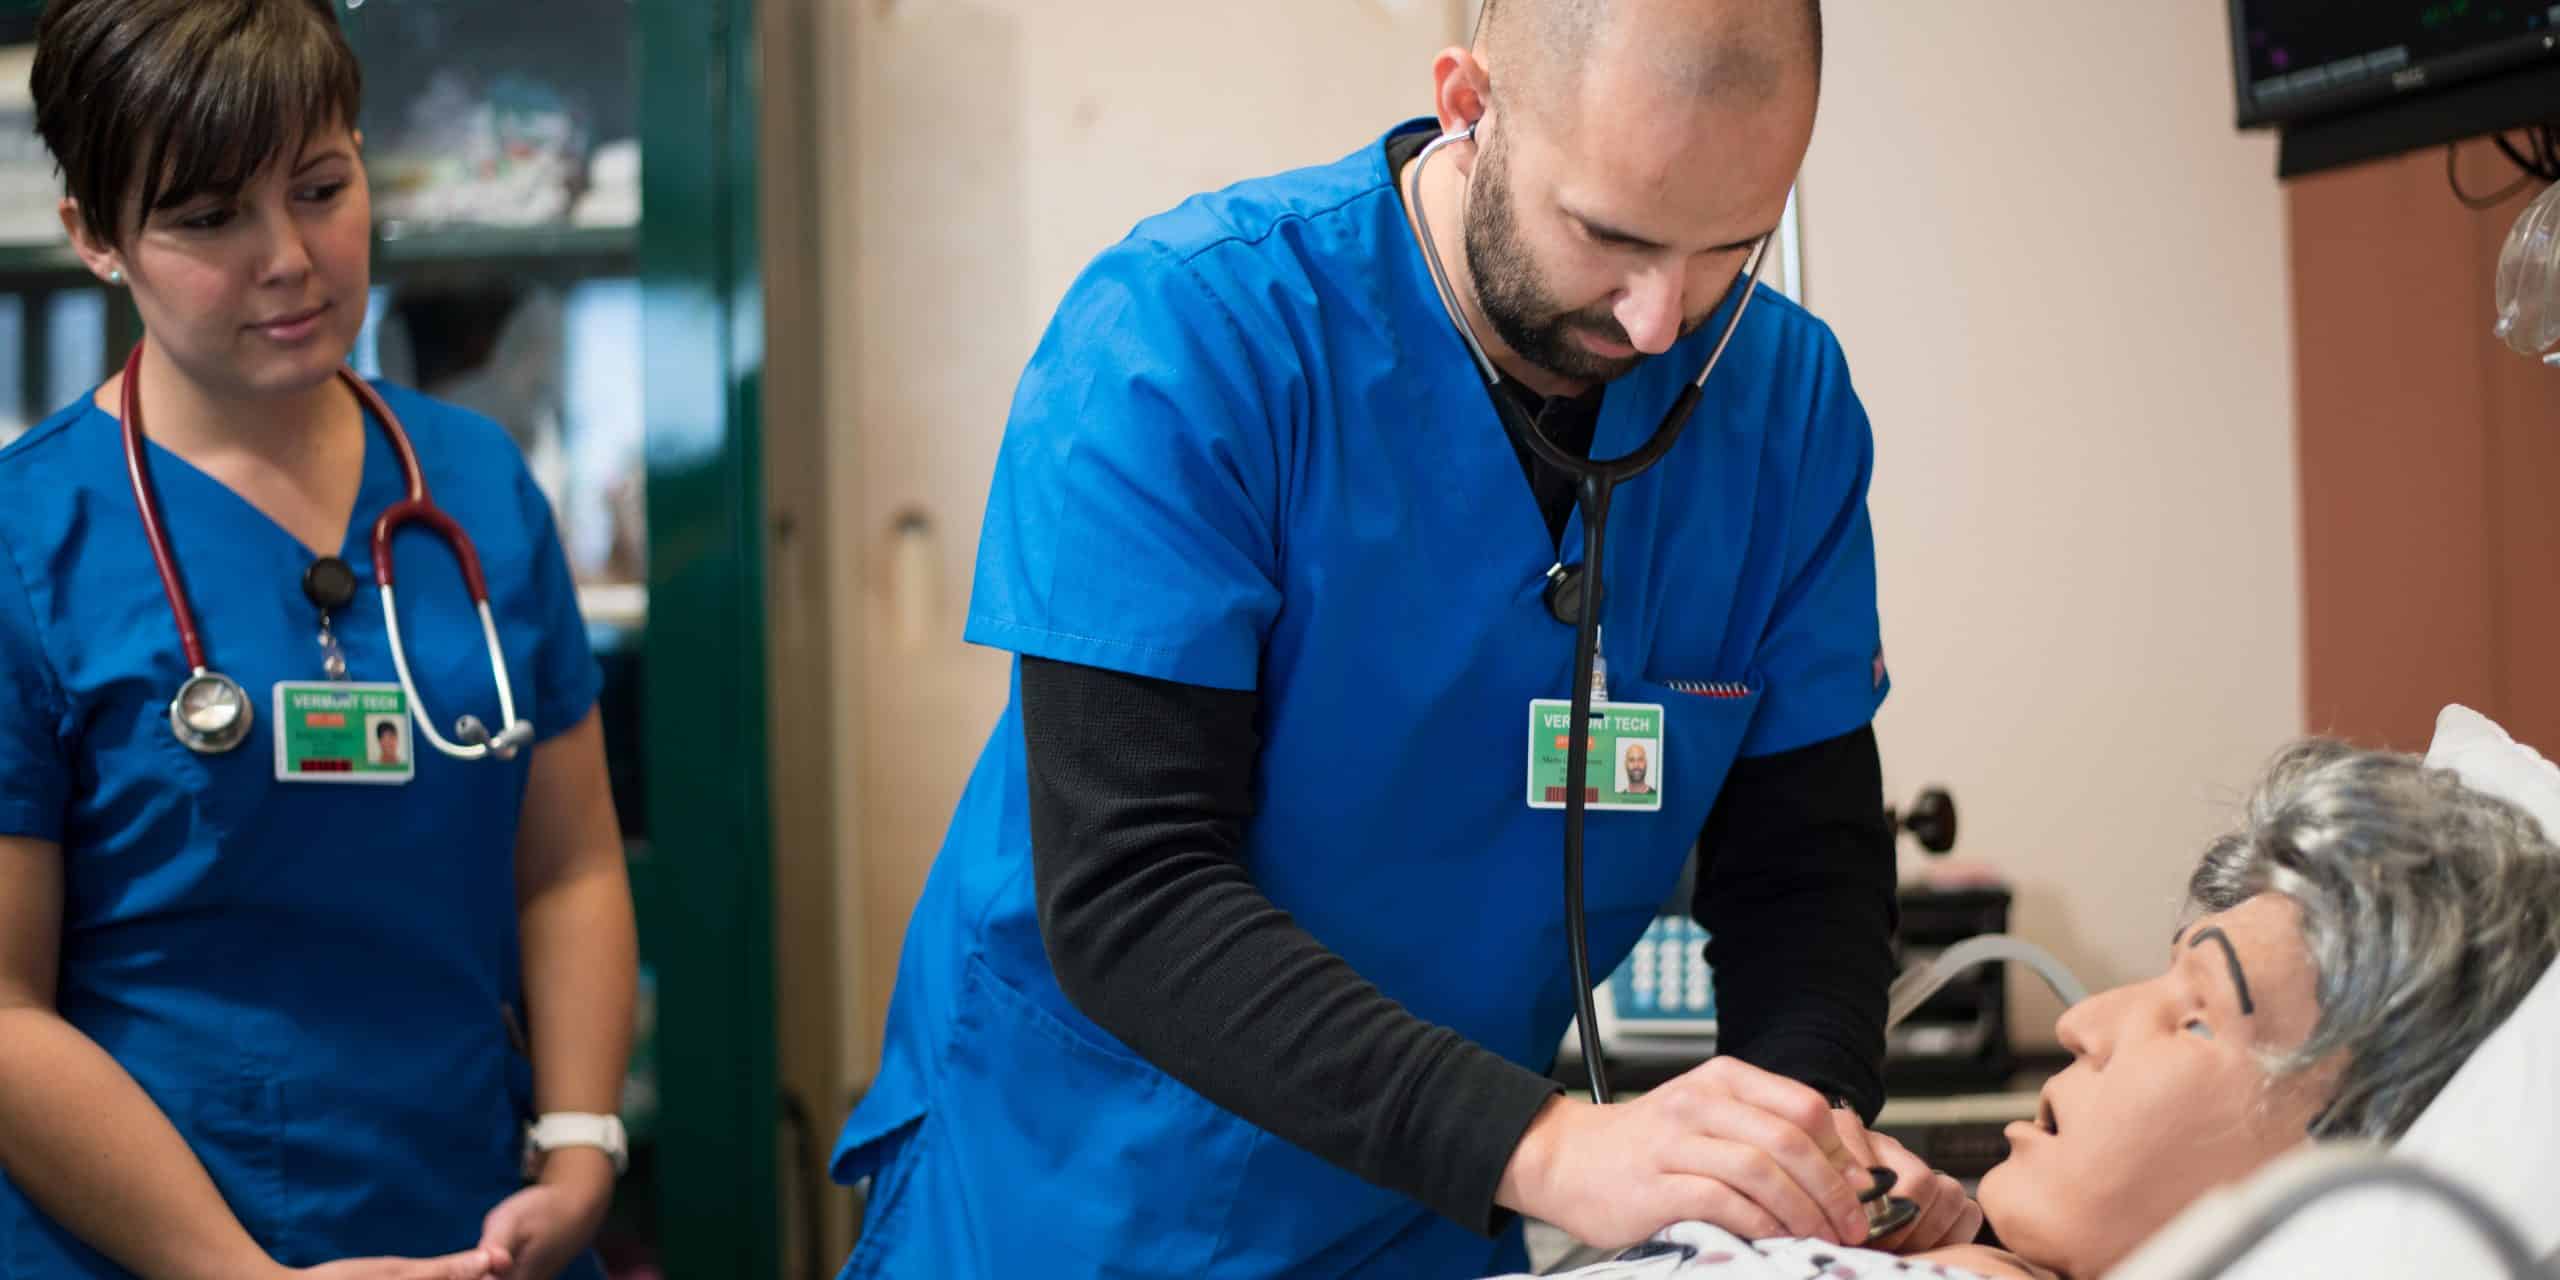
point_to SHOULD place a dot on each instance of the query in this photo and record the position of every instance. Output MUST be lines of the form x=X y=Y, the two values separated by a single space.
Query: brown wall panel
x=2394 y=449
x=2427 y=451
x=2524 y=456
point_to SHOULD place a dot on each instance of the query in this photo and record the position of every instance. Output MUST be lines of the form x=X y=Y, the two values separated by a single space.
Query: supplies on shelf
x=508 y=152
x=30 y=188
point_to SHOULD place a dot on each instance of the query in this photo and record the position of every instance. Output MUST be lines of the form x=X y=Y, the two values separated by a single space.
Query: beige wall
x=2060 y=277
x=974 y=155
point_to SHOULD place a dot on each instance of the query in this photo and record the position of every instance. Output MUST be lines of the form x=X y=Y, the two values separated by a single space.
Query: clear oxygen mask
x=2529 y=281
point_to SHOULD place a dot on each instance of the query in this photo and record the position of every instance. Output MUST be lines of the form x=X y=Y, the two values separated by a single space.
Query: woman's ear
x=102 y=260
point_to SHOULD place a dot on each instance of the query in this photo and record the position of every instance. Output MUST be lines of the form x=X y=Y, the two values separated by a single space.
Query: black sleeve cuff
x=1481 y=1105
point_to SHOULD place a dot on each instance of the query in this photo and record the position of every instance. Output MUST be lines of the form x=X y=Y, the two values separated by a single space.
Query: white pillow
x=2489 y=761
x=2496 y=1126
x=2497 y=1123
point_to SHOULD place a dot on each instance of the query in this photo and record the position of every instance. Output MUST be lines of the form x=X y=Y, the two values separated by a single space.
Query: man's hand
x=1947 y=1215
x=1754 y=1153
x=549 y=1223
x=470 y=1264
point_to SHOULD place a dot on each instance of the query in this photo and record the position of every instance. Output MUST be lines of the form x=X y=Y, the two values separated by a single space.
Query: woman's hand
x=470 y=1264
x=551 y=1222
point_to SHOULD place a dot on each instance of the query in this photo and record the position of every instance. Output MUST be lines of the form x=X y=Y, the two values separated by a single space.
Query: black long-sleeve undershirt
x=1140 y=789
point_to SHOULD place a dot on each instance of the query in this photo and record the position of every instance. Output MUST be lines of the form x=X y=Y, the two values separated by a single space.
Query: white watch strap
x=558 y=1129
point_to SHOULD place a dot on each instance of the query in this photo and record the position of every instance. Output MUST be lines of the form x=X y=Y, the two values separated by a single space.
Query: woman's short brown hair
x=183 y=98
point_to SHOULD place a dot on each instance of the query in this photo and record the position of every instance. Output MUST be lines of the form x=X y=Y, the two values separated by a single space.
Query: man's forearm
x=1796 y=890
x=1158 y=934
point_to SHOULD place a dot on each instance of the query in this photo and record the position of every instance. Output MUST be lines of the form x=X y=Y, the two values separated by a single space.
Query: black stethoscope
x=212 y=713
x=1572 y=597
x=1572 y=594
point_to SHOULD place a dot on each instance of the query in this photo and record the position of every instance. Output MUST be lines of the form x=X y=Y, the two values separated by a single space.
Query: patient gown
x=1697 y=1251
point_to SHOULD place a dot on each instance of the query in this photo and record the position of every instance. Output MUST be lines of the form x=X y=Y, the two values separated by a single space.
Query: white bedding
x=1711 y=1253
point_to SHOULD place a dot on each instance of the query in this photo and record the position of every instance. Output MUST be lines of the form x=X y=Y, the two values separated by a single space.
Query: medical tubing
x=412 y=476
x=1597 y=488
x=2502 y=1239
x=507 y=721
x=1431 y=251
x=148 y=503
x=422 y=511
x=1913 y=989
x=408 y=684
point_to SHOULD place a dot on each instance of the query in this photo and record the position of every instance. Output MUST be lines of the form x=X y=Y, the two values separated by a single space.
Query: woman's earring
x=115 y=276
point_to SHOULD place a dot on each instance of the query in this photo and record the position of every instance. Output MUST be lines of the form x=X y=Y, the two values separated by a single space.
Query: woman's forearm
x=581 y=964
x=83 y=1142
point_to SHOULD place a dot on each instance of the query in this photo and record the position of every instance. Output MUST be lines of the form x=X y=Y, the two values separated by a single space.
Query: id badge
x=1625 y=769
x=332 y=731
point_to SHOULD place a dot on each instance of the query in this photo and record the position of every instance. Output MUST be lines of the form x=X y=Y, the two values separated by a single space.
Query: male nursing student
x=1245 y=952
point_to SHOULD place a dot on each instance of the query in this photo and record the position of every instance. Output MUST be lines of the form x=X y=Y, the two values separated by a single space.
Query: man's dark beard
x=1531 y=323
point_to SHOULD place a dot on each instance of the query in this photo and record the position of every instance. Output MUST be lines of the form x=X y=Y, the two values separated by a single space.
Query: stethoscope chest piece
x=211 y=713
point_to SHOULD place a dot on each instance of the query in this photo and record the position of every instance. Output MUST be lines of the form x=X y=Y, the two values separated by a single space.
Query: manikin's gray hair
x=2429 y=910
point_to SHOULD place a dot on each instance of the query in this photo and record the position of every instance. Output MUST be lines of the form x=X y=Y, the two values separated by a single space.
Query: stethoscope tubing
x=416 y=507
x=1596 y=482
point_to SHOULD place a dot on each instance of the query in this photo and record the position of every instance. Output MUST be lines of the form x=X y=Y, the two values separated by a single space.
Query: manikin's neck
x=1439 y=197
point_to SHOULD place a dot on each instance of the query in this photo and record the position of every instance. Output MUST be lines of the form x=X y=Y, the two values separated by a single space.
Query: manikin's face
x=2166 y=1097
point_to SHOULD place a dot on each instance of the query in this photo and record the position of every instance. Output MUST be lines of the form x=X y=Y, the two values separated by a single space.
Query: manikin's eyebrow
x=2239 y=978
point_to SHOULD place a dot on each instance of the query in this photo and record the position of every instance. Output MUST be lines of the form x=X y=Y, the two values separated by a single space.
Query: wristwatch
x=559 y=1129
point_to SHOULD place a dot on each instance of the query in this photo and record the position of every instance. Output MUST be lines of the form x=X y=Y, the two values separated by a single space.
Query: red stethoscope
x=212 y=713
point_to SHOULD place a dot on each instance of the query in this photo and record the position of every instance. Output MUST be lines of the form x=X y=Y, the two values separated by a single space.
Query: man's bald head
x=1735 y=52
x=1639 y=151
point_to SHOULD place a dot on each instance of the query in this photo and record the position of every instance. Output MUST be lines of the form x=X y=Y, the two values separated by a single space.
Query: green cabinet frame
x=708 y=924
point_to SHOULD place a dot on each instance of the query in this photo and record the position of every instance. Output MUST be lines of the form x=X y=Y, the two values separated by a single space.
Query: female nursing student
x=272 y=1007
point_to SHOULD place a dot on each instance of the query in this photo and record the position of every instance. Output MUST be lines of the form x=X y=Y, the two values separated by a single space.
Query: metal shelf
x=50 y=263
x=396 y=244
x=617 y=604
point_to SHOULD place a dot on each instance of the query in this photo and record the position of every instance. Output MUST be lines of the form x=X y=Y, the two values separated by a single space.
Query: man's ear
x=102 y=260
x=1459 y=96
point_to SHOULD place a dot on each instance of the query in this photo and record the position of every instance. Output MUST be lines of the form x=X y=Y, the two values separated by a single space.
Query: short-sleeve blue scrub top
x=1251 y=452
x=312 y=981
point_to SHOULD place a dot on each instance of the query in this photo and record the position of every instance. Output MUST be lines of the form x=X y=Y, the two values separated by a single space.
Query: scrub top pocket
x=1092 y=1129
x=1701 y=736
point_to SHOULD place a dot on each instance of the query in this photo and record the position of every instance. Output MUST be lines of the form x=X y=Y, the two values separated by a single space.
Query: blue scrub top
x=1252 y=452
x=307 y=979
